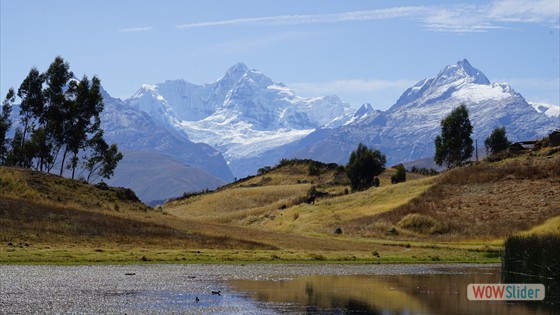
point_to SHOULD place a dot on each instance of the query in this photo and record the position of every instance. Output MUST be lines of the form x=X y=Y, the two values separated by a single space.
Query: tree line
x=59 y=125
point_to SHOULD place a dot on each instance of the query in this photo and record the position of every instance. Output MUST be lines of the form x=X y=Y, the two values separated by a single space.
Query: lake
x=254 y=289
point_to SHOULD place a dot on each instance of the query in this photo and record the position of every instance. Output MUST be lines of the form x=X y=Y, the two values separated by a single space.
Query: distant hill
x=486 y=201
x=156 y=176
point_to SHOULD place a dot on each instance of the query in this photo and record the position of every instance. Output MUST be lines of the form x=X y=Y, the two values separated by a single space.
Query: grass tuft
x=422 y=224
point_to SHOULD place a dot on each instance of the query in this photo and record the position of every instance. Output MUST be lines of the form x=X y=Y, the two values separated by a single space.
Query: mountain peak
x=460 y=71
x=452 y=78
x=237 y=70
x=364 y=110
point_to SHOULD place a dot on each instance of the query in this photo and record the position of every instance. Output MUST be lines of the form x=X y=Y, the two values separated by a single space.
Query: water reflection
x=443 y=293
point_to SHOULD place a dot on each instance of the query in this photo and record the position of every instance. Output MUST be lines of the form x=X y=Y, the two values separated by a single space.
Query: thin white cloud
x=462 y=18
x=380 y=14
x=459 y=19
x=136 y=29
x=527 y=11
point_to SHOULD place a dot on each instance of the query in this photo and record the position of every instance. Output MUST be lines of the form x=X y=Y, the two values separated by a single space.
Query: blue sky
x=363 y=51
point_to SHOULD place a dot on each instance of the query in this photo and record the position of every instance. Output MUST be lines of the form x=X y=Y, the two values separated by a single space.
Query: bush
x=424 y=171
x=400 y=176
x=314 y=170
x=422 y=224
x=102 y=186
x=312 y=191
x=126 y=194
x=263 y=170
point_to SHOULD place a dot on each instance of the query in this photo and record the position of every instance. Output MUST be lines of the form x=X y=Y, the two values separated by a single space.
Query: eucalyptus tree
x=6 y=124
x=32 y=100
x=454 y=146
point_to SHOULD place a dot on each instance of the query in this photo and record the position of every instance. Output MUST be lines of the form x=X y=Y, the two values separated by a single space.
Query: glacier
x=242 y=114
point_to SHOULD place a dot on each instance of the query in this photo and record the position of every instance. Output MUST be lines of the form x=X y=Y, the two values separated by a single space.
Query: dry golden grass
x=48 y=210
x=485 y=201
x=54 y=190
x=244 y=221
x=12 y=183
x=81 y=220
x=329 y=213
x=25 y=222
x=550 y=226
x=296 y=172
x=238 y=203
x=258 y=201
x=422 y=224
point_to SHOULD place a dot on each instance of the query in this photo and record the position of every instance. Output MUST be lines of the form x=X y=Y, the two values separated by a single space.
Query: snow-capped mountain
x=158 y=163
x=133 y=129
x=547 y=109
x=242 y=114
x=407 y=130
x=254 y=121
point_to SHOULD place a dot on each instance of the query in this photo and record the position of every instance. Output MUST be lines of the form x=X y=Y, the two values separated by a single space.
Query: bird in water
x=197 y=299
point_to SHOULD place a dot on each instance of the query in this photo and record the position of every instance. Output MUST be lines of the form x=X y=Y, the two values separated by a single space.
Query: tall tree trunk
x=22 y=152
x=63 y=160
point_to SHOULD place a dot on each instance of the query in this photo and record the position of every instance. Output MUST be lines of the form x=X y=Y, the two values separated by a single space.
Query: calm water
x=253 y=289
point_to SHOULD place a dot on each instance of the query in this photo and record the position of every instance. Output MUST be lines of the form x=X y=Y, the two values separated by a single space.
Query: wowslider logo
x=505 y=292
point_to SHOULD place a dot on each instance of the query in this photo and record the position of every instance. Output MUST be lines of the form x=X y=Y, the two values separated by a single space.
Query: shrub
x=422 y=224
x=400 y=176
x=314 y=170
x=424 y=171
x=102 y=186
x=126 y=194
x=263 y=170
x=312 y=191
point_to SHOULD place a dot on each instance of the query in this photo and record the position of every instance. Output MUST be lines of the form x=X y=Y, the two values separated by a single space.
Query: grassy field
x=477 y=203
x=462 y=215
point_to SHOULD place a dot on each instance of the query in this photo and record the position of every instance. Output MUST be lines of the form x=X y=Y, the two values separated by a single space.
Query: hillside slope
x=490 y=200
x=487 y=201
x=278 y=199
x=47 y=218
x=460 y=215
x=43 y=212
